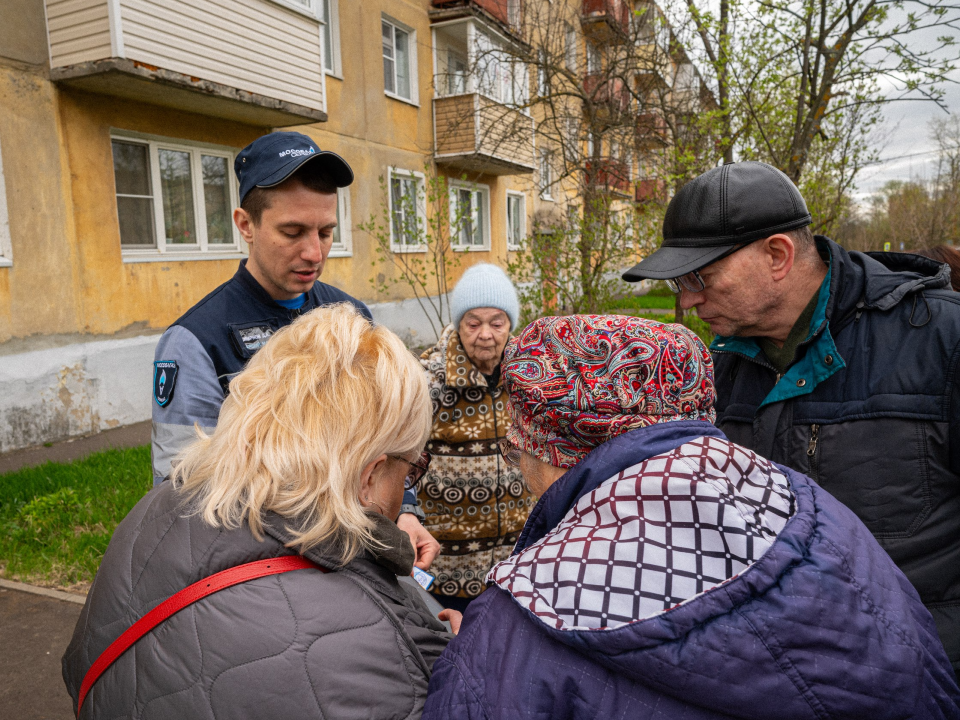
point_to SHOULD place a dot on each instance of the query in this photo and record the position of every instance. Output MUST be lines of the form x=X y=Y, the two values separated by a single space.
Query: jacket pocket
x=879 y=468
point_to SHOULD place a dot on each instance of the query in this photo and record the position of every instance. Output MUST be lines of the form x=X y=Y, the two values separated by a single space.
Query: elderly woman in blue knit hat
x=474 y=504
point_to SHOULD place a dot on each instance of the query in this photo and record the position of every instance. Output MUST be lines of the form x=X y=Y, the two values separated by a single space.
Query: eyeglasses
x=417 y=469
x=692 y=281
x=509 y=452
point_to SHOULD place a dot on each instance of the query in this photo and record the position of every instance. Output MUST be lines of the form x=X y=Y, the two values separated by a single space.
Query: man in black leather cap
x=842 y=365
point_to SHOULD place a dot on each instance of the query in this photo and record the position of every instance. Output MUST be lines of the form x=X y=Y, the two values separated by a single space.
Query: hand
x=453 y=617
x=426 y=547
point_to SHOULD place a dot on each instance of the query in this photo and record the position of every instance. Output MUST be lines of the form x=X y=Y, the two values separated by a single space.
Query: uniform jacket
x=353 y=643
x=210 y=344
x=475 y=504
x=615 y=603
x=870 y=410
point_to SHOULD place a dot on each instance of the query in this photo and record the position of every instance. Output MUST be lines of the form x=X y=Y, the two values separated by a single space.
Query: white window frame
x=570 y=47
x=343 y=248
x=412 y=48
x=523 y=218
x=484 y=191
x=6 y=245
x=176 y=252
x=421 y=183
x=331 y=8
x=543 y=161
x=307 y=8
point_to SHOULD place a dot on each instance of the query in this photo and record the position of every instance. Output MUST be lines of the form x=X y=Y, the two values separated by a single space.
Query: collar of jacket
x=396 y=554
x=821 y=358
x=602 y=463
x=460 y=371
x=254 y=288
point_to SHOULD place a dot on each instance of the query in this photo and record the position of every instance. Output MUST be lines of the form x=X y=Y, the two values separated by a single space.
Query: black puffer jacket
x=871 y=410
x=348 y=644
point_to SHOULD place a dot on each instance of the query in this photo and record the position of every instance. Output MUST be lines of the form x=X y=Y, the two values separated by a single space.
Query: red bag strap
x=189 y=595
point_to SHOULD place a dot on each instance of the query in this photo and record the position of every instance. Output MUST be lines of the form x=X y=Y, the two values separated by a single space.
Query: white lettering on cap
x=297 y=153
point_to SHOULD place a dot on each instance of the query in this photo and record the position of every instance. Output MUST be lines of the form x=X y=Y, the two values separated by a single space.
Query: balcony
x=650 y=190
x=179 y=55
x=506 y=12
x=605 y=21
x=608 y=174
x=651 y=131
x=477 y=134
x=608 y=95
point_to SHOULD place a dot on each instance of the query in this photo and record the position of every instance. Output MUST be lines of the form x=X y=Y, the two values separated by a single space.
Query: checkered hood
x=652 y=537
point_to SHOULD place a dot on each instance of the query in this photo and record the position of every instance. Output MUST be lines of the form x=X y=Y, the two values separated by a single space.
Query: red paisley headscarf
x=575 y=382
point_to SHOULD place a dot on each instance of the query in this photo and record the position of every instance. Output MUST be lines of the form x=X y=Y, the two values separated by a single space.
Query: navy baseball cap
x=271 y=159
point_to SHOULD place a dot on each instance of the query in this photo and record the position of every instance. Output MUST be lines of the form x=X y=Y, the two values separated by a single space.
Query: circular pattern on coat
x=450 y=588
x=516 y=488
x=473 y=588
x=479 y=495
x=473 y=394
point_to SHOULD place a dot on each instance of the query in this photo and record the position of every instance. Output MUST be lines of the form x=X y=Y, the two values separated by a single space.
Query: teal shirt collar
x=819 y=362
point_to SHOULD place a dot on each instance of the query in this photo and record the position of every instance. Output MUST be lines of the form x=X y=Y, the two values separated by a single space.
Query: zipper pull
x=814 y=437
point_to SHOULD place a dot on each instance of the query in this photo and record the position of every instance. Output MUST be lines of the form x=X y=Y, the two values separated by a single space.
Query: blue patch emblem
x=164 y=380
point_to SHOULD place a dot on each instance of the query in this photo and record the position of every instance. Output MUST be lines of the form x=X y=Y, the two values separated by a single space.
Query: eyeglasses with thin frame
x=509 y=452
x=692 y=281
x=417 y=469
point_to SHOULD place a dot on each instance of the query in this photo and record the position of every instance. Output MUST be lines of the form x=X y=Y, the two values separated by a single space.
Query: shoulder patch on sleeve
x=164 y=380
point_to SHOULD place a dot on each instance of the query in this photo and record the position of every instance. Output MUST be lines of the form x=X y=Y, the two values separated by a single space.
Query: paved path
x=34 y=632
x=74 y=449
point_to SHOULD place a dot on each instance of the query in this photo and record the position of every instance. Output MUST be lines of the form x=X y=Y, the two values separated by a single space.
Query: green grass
x=701 y=328
x=643 y=302
x=57 y=519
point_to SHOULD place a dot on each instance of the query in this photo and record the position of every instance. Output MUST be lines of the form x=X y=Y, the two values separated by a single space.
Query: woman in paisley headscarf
x=474 y=503
x=667 y=572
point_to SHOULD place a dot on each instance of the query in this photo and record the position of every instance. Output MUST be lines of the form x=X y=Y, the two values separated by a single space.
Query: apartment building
x=119 y=124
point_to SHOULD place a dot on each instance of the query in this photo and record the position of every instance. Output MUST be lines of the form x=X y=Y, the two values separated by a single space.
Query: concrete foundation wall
x=80 y=389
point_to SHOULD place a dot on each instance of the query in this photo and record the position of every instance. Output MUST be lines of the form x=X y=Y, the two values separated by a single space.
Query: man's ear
x=368 y=477
x=244 y=223
x=781 y=254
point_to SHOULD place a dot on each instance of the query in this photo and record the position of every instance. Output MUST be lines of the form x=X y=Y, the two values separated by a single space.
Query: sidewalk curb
x=47 y=592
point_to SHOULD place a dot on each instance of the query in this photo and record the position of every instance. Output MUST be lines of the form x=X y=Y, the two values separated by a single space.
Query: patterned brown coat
x=475 y=504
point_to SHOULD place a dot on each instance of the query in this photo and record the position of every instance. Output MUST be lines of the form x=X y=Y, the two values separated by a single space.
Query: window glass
x=515 y=220
x=570 y=47
x=404 y=206
x=216 y=199
x=131 y=167
x=176 y=188
x=403 y=63
x=468 y=209
x=327 y=35
x=389 y=62
x=456 y=73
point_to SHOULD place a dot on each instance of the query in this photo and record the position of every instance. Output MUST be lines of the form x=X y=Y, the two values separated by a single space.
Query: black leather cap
x=723 y=209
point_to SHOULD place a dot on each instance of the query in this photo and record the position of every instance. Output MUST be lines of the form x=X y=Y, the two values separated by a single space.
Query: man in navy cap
x=842 y=365
x=287 y=216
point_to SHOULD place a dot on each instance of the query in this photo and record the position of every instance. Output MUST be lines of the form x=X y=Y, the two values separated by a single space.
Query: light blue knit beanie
x=484 y=285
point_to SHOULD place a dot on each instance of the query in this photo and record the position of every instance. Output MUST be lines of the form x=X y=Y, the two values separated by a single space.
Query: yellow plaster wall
x=114 y=295
x=38 y=294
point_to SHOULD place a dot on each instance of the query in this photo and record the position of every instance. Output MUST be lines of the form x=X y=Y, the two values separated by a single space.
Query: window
x=513 y=13
x=516 y=219
x=342 y=235
x=407 y=211
x=594 y=66
x=456 y=73
x=543 y=74
x=470 y=216
x=501 y=77
x=6 y=251
x=173 y=198
x=329 y=14
x=399 y=61
x=545 y=174
x=570 y=47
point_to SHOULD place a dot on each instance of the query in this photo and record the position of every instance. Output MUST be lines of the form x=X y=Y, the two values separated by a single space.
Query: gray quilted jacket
x=349 y=644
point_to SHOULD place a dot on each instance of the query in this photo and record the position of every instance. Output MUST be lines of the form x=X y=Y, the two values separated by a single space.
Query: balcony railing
x=177 y=54
x=651 y=130
x=608 y=174
x=650 y=190
x=477 y=134
x=608 y=94
x=605 y=20
x=507 y=12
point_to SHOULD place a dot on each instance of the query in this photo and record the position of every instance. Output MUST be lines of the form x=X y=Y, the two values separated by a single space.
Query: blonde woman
x=315 y=444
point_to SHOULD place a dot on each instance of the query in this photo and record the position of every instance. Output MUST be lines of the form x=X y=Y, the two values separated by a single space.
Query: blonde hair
x=323 y=398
